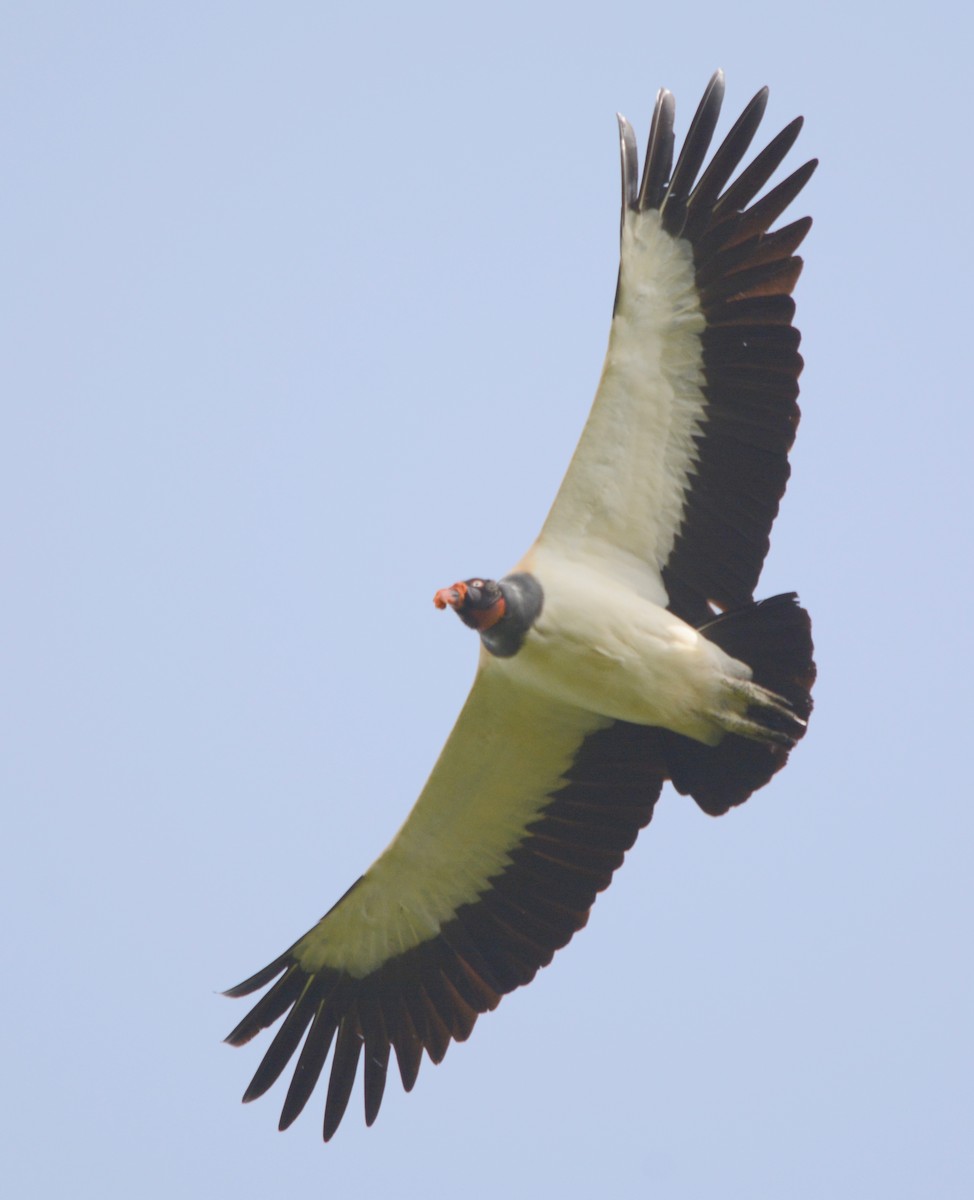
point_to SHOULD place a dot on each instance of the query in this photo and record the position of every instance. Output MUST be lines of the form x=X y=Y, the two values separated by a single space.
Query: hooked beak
x=451 y=597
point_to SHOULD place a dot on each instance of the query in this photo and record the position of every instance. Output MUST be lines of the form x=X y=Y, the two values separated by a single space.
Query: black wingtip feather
x=261 y=978
x=758 y=250
x=376 y=1053
x=309 y=1066
x=376 y=1073
x=270 y=1006
x=764 y=212
x=673 y=210
x=406 y=1043
x=283 y=1046
x=348 y=1050
x=629 y=162
x=723 y=164
x=659 y=153
x=753 y=178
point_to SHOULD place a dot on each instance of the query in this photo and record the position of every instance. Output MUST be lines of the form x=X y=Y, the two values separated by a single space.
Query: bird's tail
x=774 y=638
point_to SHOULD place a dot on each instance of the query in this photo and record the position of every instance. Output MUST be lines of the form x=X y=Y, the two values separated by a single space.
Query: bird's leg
x=760 y=715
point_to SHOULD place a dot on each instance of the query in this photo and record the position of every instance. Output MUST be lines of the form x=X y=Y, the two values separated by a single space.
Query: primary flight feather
x=624 y=650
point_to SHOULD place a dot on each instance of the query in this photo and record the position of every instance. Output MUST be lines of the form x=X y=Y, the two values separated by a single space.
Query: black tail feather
x=774 y=638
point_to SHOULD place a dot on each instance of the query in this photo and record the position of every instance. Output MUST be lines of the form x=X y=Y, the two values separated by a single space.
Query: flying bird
x=624 y=649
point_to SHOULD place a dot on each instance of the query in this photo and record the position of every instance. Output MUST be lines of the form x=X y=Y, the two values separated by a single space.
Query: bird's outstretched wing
x=684 y=458
x=527 y=813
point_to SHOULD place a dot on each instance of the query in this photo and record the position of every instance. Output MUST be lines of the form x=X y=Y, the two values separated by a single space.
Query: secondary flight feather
x=625 y=649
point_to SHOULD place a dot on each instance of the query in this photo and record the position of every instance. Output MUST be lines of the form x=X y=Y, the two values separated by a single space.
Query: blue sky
x=303 y=312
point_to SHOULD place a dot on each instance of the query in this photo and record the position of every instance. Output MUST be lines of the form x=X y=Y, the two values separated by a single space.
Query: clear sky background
x=303 y=310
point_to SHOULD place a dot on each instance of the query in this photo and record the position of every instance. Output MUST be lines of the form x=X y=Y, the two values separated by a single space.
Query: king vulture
x=624 y=649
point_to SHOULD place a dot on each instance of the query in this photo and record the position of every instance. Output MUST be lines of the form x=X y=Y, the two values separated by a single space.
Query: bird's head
x=478 y=603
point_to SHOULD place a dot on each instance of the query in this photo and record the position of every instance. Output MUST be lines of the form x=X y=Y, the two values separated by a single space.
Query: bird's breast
x=601 y=645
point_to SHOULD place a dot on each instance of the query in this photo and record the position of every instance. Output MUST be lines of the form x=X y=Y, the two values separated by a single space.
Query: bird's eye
x=477 y=583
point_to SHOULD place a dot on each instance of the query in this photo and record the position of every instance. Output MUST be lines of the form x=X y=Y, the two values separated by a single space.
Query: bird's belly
x=600 y=645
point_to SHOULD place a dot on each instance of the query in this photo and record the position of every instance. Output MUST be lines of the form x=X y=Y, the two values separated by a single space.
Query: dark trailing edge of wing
x=431 y=995
x=745 y=275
